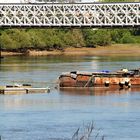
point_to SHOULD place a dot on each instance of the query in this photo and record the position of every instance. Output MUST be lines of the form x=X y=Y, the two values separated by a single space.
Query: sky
x=22 y=1
x=15 y=1
x=10 y=1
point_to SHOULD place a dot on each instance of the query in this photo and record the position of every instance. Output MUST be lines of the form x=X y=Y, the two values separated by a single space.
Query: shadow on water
x=98 y=91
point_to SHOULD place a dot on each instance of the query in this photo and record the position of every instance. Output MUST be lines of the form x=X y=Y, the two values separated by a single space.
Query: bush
x=127 y=38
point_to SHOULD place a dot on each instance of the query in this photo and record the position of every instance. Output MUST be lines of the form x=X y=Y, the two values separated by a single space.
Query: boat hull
x=98 y=81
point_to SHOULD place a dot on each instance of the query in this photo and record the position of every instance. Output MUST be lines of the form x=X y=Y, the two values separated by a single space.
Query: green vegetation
x=21 y=40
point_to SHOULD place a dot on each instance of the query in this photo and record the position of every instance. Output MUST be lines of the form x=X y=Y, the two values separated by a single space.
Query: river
x=58 y=114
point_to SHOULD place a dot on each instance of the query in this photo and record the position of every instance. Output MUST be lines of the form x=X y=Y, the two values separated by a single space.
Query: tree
x=36 y=39
x=97 y=37
x=6 y=42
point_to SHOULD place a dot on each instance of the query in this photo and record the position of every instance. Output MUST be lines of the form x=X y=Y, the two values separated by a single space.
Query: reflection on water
x=57 y=115
x=96 y=91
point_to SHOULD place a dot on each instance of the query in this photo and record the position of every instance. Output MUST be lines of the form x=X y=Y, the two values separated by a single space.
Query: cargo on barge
x=120 y=79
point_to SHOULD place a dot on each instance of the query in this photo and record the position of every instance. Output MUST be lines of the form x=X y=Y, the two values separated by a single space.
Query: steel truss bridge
x=70 y=15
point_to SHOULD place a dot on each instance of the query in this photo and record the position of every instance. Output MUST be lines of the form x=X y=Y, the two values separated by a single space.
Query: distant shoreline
x=113 y=50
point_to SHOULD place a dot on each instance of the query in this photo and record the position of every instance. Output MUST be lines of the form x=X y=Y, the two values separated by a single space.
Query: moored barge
x=120 y=79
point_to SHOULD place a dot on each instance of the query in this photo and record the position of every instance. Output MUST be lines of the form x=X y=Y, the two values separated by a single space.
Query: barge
x=22 y=89
x=118 y=79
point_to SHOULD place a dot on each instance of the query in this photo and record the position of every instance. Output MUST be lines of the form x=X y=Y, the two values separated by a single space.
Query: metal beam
x=70 y=15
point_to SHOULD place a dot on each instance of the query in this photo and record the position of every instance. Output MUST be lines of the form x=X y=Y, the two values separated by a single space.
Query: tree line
x=22 y=40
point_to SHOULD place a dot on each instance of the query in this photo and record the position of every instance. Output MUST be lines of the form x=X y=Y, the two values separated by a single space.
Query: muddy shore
x=113 y=50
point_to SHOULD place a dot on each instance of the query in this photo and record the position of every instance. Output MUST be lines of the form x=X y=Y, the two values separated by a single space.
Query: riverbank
x=113 y=50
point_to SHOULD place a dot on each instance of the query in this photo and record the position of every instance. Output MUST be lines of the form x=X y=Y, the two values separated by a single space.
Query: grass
x=86 y=133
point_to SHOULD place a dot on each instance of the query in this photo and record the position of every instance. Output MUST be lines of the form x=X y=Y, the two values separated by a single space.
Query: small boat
x=123 y=78
x=22 y=89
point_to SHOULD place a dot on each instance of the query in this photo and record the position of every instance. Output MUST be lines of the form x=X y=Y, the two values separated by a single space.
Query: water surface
x=57 y=115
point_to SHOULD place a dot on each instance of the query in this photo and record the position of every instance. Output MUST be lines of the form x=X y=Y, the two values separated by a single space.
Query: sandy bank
x=118 y=49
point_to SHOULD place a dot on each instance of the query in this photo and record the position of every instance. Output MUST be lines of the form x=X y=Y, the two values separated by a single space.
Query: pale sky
x=16 y=1
x=23 y=1
x=10 y=1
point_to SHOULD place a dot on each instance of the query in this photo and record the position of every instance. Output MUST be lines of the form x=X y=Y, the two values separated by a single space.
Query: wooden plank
x=23 y=90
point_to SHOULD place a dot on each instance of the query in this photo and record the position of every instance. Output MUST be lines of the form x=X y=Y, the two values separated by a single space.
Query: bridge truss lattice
x=70 y=15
